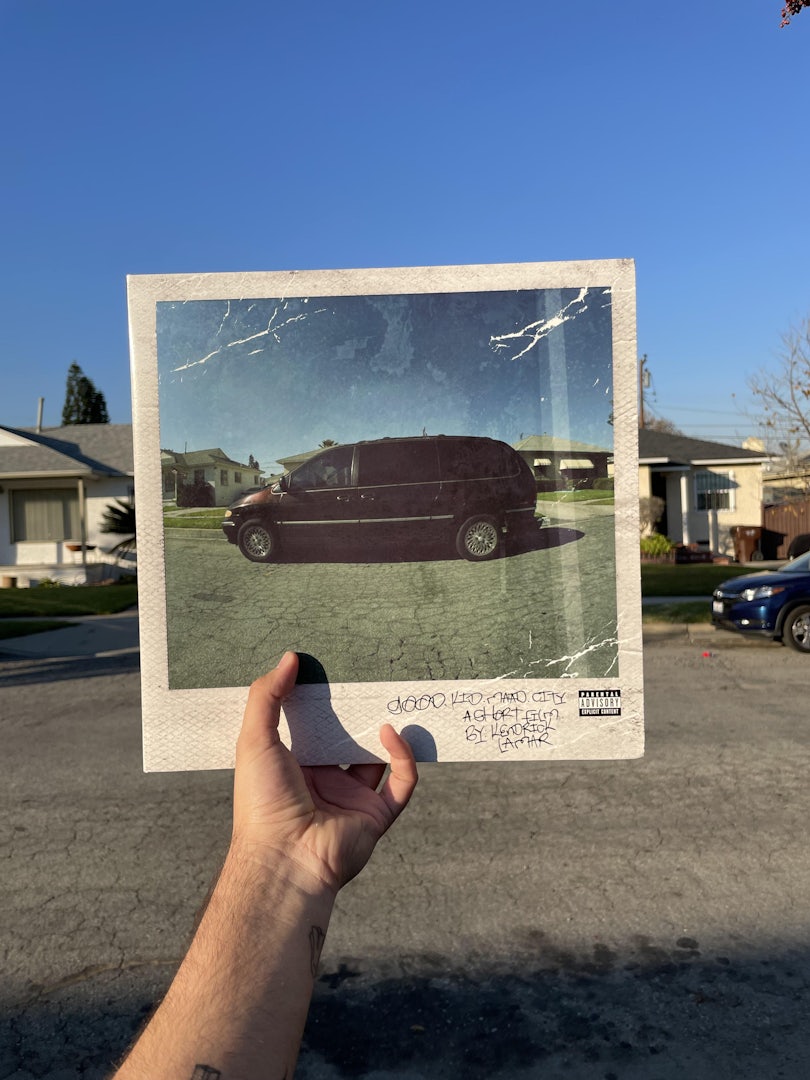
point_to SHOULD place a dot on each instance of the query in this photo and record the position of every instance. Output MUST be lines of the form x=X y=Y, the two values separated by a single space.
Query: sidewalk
x=92 y=635
x=117 y=635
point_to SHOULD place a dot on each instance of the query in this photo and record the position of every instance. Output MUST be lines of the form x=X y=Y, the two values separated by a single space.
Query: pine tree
x=83 y=403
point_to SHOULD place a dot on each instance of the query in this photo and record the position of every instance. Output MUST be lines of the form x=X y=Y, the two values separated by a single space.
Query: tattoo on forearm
x=316 y=940
x=205 y=1072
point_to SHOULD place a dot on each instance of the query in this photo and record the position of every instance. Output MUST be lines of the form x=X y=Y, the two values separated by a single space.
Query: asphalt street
x=427 y=616
x=604 y=921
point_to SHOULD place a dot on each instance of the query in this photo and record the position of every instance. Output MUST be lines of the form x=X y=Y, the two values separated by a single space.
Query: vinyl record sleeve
x=417 y=580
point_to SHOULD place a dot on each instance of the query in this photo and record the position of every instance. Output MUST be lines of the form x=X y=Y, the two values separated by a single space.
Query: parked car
x=798 y=545
x=466 y=490
x=772 y=603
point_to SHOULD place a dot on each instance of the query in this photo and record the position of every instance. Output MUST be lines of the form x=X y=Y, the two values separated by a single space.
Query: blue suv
x=774 y=604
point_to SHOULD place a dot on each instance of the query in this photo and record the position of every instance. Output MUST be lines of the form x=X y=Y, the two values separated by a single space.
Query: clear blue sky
x=179 y=137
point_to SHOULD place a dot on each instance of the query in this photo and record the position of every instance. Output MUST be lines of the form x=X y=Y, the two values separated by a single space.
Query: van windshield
x=330 y=469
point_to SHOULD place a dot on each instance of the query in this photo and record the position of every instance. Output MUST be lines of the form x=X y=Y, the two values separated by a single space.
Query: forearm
x=239 y=1001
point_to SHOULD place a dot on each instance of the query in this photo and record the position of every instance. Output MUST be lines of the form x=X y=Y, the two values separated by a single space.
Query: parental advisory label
x=600 y=703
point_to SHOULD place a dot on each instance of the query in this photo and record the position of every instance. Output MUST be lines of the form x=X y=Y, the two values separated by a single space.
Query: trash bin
x=747 y=542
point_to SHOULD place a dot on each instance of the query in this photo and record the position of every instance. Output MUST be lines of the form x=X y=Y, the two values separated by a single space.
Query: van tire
x=479 y=538
x=257 y=542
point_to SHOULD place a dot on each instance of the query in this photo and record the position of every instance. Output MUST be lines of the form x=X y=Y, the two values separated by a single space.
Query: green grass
x=67 y=600
x=581 y=495
x=23 y=628
x=204 y=519
x=693 y=611
x=698 y=579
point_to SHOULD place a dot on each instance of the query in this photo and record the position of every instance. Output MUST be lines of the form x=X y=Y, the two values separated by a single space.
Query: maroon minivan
x=462 y=490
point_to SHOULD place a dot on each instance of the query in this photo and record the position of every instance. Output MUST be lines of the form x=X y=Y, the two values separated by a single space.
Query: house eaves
x=54 y=474
x=731 y=461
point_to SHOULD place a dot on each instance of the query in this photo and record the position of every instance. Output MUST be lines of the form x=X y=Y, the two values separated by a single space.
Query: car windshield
x=800 y=565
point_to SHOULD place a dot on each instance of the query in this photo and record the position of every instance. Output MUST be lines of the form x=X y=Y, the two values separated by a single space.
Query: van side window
x=473 y=459
x=411 y=462
x=330 y=469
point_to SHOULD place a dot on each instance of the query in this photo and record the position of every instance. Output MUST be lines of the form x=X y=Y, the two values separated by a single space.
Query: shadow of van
x=517 y=543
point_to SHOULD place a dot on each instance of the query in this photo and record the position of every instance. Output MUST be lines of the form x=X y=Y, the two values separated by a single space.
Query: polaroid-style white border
x=197 y=729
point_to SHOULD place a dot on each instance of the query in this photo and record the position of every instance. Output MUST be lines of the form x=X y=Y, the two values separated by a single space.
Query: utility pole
x=643 y=384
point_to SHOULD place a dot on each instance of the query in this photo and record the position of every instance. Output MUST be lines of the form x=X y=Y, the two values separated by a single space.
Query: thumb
x=263 y=708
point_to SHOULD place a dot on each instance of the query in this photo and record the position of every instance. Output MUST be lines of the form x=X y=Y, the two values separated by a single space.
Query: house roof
x=75 y=450
x=197 y=458
x=553 y=444
x=661 y=448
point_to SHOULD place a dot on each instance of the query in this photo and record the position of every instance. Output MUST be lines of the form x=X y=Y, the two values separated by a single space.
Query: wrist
x=274 y=871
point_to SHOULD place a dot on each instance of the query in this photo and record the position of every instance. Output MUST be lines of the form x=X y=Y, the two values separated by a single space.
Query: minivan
x=466 y=492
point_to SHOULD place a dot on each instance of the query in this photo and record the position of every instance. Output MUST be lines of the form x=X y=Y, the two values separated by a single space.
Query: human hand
x=325 y=819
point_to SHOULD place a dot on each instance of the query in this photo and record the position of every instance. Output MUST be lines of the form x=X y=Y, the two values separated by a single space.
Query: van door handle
x=368 y=498
x=343 y=498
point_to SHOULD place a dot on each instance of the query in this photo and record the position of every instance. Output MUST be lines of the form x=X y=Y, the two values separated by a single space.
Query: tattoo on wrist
x=205 y=1072
x=316 y=940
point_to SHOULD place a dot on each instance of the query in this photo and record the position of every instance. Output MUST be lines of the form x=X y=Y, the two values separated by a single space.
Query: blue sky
x=275 y=377
x=186 y=137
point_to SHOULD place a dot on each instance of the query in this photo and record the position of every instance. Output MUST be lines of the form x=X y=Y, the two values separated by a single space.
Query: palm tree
x=120 y=520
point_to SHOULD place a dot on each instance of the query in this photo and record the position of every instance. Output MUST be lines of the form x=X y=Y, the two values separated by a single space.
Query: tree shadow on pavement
x=657 y=1013
x=28 y=671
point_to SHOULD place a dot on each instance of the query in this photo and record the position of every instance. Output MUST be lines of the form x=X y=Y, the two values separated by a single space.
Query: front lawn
x=692 y=611
x=580 y=495
x=695 y=579
x=198 y=519
x=51 y=600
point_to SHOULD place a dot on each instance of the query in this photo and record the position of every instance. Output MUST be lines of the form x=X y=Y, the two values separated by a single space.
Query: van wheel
x=257 y=542
x=796 y=631
x=478 y=538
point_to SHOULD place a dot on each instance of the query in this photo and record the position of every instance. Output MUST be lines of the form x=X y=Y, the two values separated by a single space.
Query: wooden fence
x=781 y=523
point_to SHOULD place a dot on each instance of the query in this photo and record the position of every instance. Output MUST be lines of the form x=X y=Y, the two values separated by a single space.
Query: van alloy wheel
x=478 y=538
x=257 y=542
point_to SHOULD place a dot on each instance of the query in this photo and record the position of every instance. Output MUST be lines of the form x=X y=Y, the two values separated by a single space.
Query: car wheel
x=257 y=542
x=796 y=631
x=478 y=538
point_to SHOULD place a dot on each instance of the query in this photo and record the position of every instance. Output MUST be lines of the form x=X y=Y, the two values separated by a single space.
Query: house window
x=199 y=476
x=46 y=514
x=714 y=490
x=237 y=478
x=223 y=477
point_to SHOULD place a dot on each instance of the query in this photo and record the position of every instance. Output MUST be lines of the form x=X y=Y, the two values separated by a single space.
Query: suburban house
x=224 y=478
x=707 y=488
x=55 y=484
x=563 y=463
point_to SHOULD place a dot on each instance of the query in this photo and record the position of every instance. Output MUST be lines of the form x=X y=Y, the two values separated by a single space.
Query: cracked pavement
x=547 y=610
x=641 y=920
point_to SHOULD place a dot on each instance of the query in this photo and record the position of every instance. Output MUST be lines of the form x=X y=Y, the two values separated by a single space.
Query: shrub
x=199 y=493
x=655 y=546
x=603 y=483
x=651 y=510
